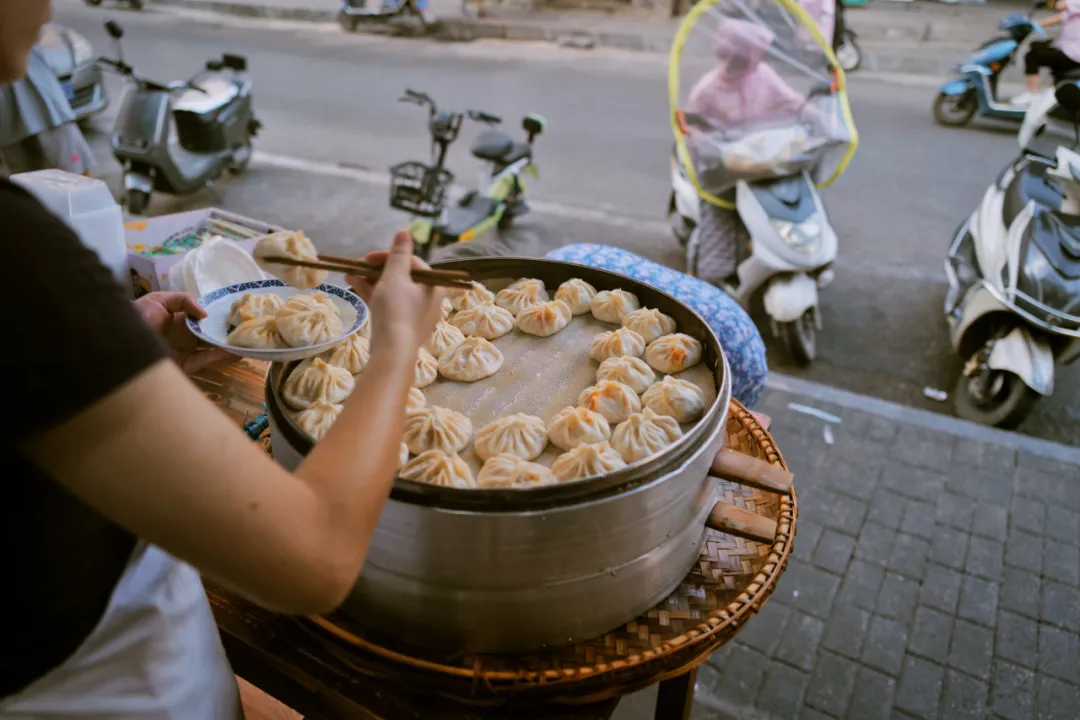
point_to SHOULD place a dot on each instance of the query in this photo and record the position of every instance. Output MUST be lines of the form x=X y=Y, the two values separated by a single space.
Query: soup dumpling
x=650 y=324
x=318 y=419
x=427 y=369
x=443 y=337
x=611 y=399
x=628 y=370
x=437 y=428
x=486 y=320
x=254 y=305
x=316 y=380
x=306 y=320
x=521 y=294
x=643 y=434
x=544 y=319
x=258 y=334
x=472 y=360
x=672 y=354
x=616 y=343
x=436 y=467
x=294 y=246
x=611 y=306
x=587 y=460
x=352 y=354
x=573 y=426
x=521 y=435
x=507 y=471
x=680 y=399
x=577 y=294
x=465 y=298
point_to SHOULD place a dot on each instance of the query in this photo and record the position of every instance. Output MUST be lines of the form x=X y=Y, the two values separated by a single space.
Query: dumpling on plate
x=251 y=306
x=611 y=399
x=294 y=246
x=611 y=306
x=631 y=371
x=616 y=343
x=672 y=354
x=486 y=320
x=436 y=467
x=521 y=294
x=544 y=319
x=416 y=399
x=573 y=426
x=443 y=337
x=403 y=456
x=318 y=419
x=437 y=428
x=577 y=294
x=314 y=380
x=680 y=399
x=506 y=471
x=465 y=298
x=257 y=334
x=650 y=324
x=306 y=320
x=587 y=460
x=472 y=360
x=643 y=434
x=521 y=435
x=352 y=353
x=427 y=369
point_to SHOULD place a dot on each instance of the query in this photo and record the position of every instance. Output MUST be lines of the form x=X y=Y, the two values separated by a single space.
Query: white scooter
x=1013 y=304
x=792 y=246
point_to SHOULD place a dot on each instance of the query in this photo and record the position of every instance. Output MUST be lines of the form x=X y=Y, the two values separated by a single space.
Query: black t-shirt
x=70 y=337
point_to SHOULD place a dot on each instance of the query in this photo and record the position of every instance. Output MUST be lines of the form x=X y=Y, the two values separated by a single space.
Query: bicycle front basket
x=419 y=189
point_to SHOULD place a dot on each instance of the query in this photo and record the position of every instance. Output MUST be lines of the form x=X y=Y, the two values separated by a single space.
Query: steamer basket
x=511 y=570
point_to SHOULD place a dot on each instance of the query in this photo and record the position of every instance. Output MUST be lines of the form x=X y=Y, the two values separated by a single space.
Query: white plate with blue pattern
x=214 y=328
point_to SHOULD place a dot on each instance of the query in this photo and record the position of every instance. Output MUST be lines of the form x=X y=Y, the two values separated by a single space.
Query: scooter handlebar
x=481 y=116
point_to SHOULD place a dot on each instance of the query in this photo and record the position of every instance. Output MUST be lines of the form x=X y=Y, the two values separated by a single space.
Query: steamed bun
x=352 y=354
x=436 y=467
x=318 y=419
x=472 y=360
x=544 y=319
x=673 y=353
x=649 y=324
x=521 y=435
x=676 y=398
x=251 y=306
x=577 y=294
x=316 y=380
x=437 y=428
x=258 y=333
x=294 y=246
x=521 y=294
x=486 y=320
x=443 y=337
x=506 y=471
x=465 y=298
x=427 y=369
x=631 y=371
x=612 y=306
x=616 y=343
x=586 y=461
x=573 y=426
x=611 y=399
x=306 y=320
x=643 y=434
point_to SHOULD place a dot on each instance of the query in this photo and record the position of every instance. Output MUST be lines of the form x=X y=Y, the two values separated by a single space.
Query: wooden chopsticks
x=349 y=266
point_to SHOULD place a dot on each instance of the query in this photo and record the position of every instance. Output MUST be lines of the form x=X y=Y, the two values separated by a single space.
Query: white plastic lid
x=66 y=194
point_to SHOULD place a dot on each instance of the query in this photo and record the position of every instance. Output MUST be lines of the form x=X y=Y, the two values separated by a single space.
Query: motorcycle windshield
x=757 y=93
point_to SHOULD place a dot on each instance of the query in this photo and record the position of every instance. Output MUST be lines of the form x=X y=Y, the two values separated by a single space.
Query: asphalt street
x=332 y=126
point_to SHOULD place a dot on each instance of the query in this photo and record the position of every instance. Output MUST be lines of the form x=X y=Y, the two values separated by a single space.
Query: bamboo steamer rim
x=724 y=619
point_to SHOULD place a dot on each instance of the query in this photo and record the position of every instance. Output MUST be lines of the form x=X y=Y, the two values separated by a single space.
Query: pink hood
x=742 y=90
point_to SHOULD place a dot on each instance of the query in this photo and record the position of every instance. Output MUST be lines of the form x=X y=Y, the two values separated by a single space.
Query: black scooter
x=214 y=119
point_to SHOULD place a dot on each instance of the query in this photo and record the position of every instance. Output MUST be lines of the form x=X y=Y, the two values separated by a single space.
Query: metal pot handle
x=747 y=470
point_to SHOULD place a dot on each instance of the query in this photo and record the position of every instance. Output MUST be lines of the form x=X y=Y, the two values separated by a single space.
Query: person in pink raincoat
x=824 y=14
x=740 y=91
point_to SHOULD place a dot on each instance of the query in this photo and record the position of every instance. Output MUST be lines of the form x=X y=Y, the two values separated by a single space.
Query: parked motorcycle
x=792 y=248
x=420 y=189
x=357 y=12
x=976 y=90
x=1013 y=304
x=214 y=119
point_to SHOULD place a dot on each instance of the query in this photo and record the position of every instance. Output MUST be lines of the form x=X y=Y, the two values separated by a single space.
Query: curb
x=907 y=62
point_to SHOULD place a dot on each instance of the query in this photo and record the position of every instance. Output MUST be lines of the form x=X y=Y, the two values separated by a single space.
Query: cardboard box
x=149 y=270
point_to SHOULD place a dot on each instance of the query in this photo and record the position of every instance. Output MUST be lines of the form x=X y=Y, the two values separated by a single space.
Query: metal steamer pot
x=519 y=570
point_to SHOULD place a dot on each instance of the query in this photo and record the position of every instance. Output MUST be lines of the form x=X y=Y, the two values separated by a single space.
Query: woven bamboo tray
x=732 y=581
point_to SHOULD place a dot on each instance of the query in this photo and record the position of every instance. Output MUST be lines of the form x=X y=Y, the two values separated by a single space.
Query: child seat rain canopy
x=756 y=93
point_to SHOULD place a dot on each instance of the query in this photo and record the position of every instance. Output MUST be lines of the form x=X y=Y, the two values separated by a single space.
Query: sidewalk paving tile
x=913 y=593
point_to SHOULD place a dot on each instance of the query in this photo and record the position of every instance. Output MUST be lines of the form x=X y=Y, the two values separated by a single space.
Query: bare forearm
x=353 y=483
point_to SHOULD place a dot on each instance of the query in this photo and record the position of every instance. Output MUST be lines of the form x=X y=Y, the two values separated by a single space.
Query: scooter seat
x=499 y=148
x=1029 y=184
x=220 y=90
x=462 y=218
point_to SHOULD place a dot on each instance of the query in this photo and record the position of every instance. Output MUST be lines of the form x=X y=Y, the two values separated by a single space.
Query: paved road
x=329 y=99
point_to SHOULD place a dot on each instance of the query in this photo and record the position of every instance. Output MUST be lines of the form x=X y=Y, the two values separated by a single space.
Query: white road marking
x=382 y=179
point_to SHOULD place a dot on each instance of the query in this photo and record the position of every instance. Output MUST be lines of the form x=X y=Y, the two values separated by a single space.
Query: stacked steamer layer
x=526 y=388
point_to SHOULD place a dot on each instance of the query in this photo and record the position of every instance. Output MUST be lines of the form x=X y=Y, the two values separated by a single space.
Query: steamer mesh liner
x=539 y=376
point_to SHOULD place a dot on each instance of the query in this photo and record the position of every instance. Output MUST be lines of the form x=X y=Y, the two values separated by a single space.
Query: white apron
x=155 y=655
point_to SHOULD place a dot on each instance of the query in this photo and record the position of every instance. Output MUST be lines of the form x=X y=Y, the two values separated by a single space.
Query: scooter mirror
x=113 y=28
